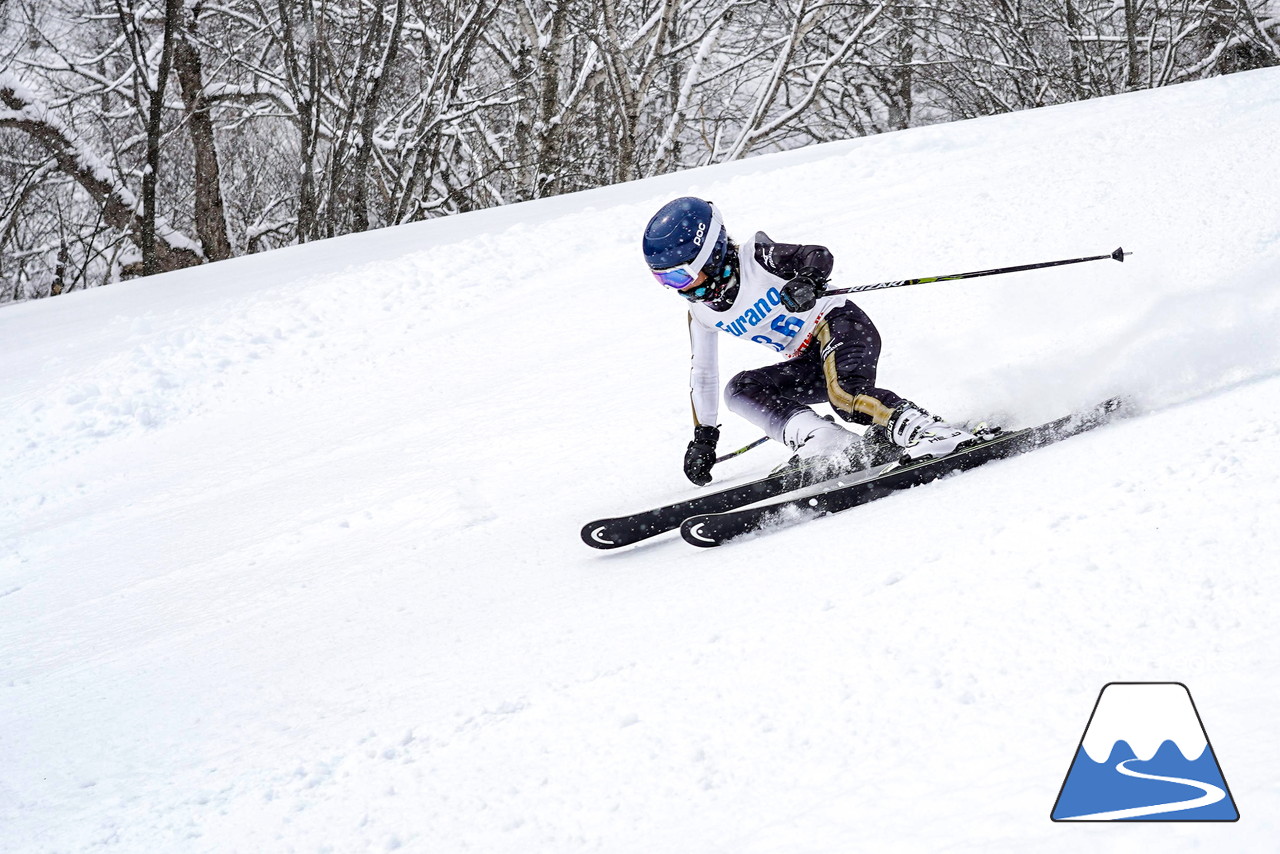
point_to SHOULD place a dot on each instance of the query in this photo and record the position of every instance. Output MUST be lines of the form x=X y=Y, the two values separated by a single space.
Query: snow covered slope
x=289 y=553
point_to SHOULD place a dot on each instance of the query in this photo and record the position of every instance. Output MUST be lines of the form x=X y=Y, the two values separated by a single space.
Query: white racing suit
x=831 y=351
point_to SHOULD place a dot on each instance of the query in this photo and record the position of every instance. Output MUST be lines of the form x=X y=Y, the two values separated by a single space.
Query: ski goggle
x=676 y=277
x=709 y=289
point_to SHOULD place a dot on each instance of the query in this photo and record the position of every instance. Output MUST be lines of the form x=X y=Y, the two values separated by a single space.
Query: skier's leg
x=771 y=396
x=850 y=348
x=776 y=398
x=849 y=344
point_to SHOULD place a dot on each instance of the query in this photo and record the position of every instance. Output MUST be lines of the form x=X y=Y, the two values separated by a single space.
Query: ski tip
x=692 y=531
x=597 y=535
x=1115 y=406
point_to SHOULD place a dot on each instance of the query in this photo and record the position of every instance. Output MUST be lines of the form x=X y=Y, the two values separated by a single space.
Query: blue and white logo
x=1145 y=756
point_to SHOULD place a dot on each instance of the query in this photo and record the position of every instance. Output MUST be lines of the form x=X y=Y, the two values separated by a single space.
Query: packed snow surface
x=289 y=553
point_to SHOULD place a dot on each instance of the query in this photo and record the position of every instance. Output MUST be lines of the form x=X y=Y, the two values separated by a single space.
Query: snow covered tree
x=119 y=208
x=146 y=135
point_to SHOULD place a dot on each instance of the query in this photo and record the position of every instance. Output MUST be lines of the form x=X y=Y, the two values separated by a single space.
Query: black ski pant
x=837 y=367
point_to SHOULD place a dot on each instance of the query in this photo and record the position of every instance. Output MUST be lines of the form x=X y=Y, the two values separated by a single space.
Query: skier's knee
x=742 y=388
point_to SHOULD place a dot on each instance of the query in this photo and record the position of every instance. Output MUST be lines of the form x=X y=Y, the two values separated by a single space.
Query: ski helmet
x=685 y=237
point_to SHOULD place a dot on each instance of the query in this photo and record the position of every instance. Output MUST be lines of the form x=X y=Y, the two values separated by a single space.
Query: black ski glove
x=802 y=292
x=701 y=454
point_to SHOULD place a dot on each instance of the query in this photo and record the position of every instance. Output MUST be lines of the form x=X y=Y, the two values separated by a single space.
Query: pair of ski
x=713 y=519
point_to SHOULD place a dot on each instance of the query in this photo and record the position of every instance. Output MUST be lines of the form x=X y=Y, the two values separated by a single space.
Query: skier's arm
x=704 y=373
x=786 y=259
x=704 y=393
x=806 y=267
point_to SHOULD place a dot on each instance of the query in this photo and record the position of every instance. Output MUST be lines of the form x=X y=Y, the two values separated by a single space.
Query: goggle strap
x=708 y=245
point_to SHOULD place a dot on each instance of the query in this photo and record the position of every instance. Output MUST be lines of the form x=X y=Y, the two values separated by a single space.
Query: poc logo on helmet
x=702 y=233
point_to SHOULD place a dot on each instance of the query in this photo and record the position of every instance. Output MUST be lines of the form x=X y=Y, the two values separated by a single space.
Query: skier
x=773 y=294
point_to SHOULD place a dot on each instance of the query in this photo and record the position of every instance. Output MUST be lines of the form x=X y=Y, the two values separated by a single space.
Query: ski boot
x=820 y=442
x=921 y=436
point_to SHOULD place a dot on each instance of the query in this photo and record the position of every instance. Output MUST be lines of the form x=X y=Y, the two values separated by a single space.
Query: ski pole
x=1118 y=255
x=757 y=443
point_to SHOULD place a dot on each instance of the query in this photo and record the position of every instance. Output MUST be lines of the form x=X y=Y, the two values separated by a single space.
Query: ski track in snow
x=289 y=554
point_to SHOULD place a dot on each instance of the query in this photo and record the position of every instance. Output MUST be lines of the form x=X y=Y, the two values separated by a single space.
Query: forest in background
x=140 y=136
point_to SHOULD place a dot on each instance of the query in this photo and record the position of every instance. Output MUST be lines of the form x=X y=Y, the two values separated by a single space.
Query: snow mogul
x=773 y=294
